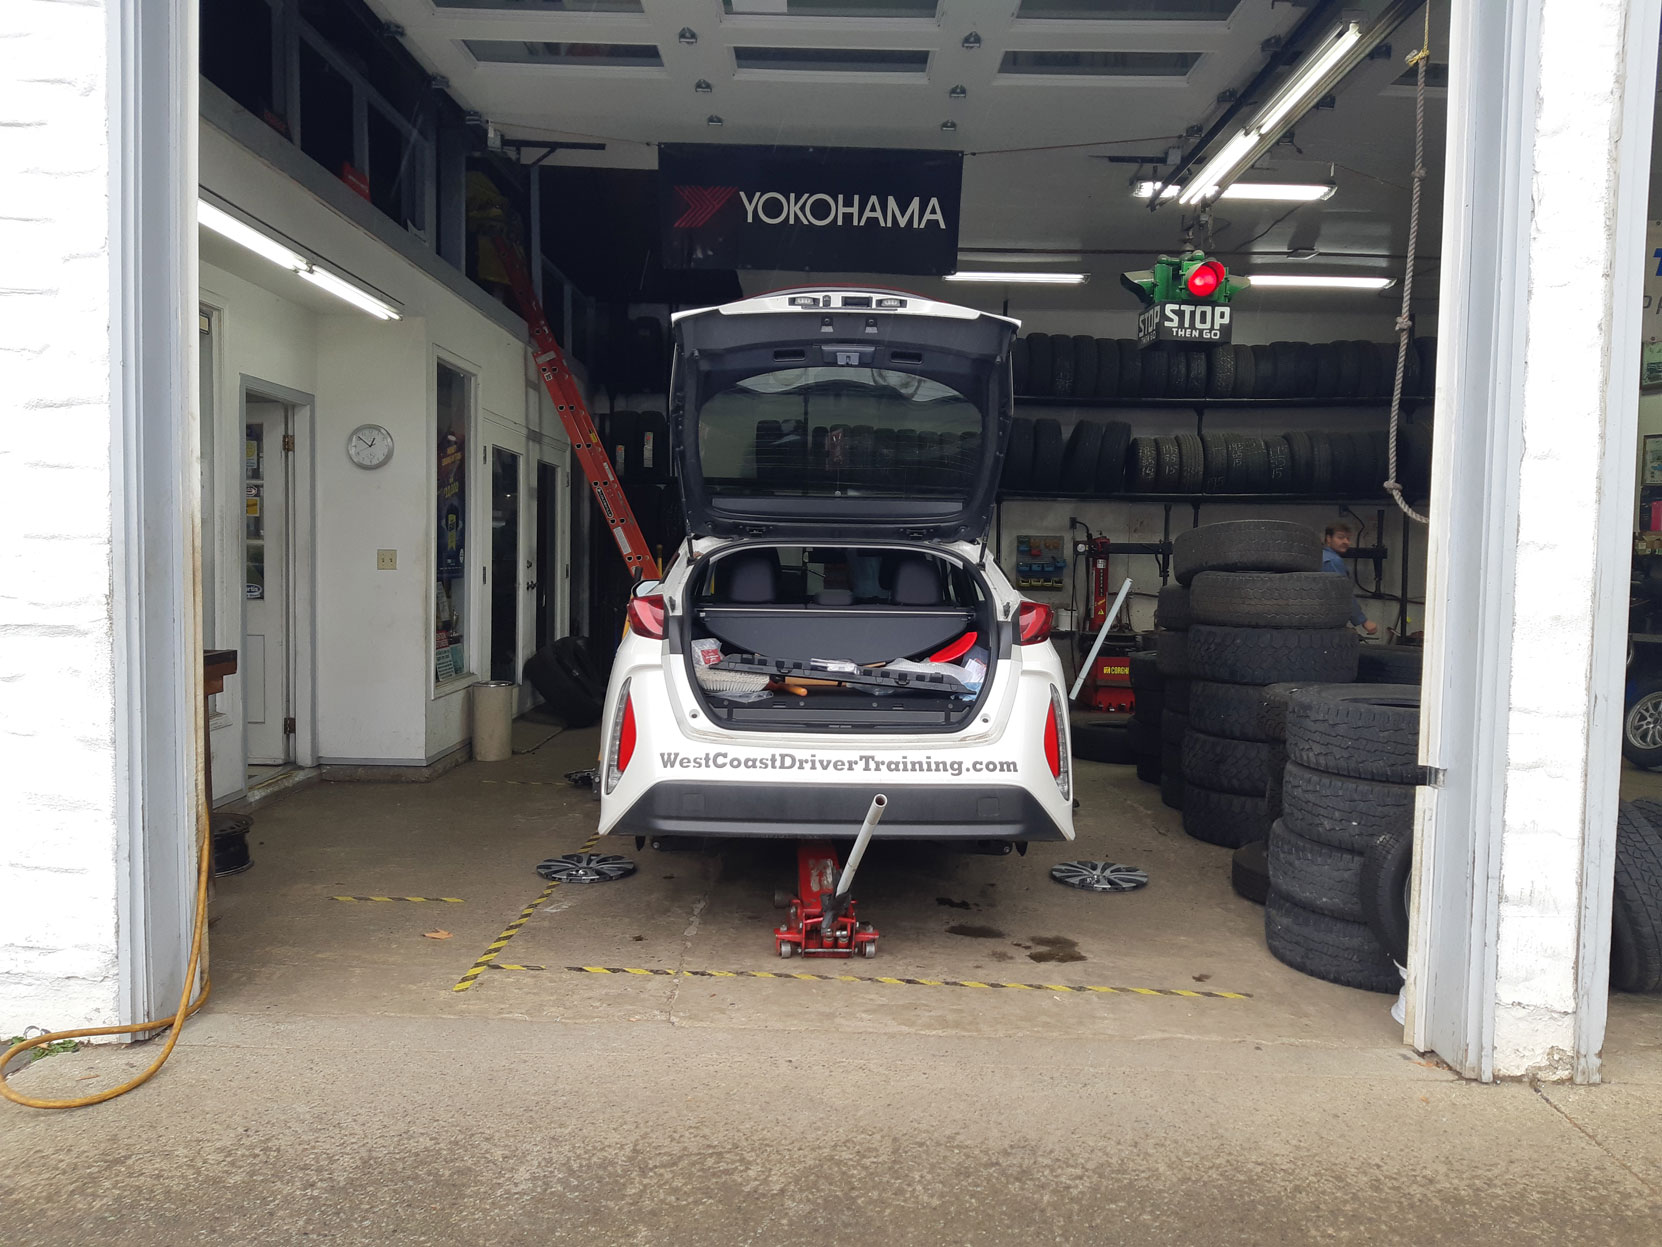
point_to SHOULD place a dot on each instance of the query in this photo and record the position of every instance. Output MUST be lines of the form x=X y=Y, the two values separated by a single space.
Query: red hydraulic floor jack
x=822 y=921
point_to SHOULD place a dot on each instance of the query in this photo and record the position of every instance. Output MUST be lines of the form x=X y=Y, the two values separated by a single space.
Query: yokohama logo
x=813 y=208
x=703 y=202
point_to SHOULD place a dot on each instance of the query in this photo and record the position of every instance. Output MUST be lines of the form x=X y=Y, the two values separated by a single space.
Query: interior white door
x=266 y=583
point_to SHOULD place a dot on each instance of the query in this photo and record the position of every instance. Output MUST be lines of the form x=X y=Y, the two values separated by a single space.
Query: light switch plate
x=386 y=560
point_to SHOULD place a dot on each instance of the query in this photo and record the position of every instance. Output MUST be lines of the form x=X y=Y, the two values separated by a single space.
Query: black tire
x=1414 y=461
x=1107 y=368
x=1142 y=464
x=1227 y=819
x=1271 y=655
x=1238 y=766
x=1246 y=373
x=1344 y=813
x=1156 y=372
x=1255 y=465
x=1079 y=460
x=1316 y=876
x=1018 y=455
x=1350 y=369
x=1169 y=473
x=564 y=674
x=1395 y=664
x=1148 y=768
x=1367 y=372
x=1234 y=463
x=1387 y=355
x=1343 y=452
x=1215 y=475
x=1304 y=370
x=1272 y=704
x=1061 y=365
x=1426 y=349
x=1232 y=710
x=1196 y=386
x=1142 y=735
x=1173 y=728
x=1148 y=705
x=1246 y=546
x=1171 y=609
x=1191 y=460
x=1041 y=360
x=1047 y=455
x=1365 y=731
x=1271 y=599
x=1131 y=368
x=1636 y=926
x=1177 y=694
x=1326 y=947
x=1282 y=387
x=1145 y=674
x=1102 y=742
x=1263 y=372
x=1220 y=372
x=1110 y=457
x=1249 y=872
x=1321 y=464
x=1171 y=785
x=1387 y=868
x=1327 y=369
x=1642 y=725
x=1018 y=366
x=1280 y=464
x=1299 y=460
x=1369 y=475
x=1084 y=366
x=1172 y=650
x=1273 y=789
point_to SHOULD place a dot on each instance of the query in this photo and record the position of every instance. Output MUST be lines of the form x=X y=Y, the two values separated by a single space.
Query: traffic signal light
x=1186 y=278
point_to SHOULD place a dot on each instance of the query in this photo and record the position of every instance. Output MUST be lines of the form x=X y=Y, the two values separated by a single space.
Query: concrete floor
x=338 y=1088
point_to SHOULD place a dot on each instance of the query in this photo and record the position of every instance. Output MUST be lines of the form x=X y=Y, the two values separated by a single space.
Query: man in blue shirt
x=1338 y=539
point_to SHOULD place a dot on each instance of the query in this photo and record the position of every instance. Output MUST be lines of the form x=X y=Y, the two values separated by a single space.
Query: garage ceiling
x=1054 y=92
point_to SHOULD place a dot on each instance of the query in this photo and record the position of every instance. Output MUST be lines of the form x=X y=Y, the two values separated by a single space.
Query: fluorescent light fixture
x=342 y=289
x=1316 y=281
x=240 y=232
x=1022 y=279
x=264 y=245
x=1278 y=192
x=1262 y=131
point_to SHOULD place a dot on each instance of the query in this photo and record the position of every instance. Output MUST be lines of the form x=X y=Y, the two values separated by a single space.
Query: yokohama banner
x=809 y=209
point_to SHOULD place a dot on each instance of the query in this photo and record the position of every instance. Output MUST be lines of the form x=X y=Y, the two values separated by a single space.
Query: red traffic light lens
x=1204 y=281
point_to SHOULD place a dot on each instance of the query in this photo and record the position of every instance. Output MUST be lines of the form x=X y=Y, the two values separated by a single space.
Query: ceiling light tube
x=1281 y=192
x=243 y=234
x=1317 y=281
x=1234 y=156
x=1022 y=279
x=343 y=289
x=1307 y=80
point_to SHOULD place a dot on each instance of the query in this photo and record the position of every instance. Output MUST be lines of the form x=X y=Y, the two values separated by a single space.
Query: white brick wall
x=58 y=852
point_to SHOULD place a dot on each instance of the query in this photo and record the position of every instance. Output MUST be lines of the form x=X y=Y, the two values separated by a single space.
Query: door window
x=450 y=600
x=504 y=576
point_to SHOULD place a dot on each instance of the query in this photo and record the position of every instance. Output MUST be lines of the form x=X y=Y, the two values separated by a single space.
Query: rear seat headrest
x=834 y=597
x=917 y=582
x=753 y=576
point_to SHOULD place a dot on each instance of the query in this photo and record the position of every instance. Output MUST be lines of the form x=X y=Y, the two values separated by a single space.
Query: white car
x=834 y=625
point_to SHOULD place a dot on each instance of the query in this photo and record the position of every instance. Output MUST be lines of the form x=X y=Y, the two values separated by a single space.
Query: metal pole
x=873 y=816
x=1101 y=636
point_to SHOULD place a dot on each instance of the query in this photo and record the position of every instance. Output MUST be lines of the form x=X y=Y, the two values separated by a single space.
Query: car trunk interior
x=862 y=637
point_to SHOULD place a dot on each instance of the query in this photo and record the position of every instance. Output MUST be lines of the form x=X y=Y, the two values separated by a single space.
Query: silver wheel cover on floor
x=1644 y=722
x=586 y=868
x=1099 y=876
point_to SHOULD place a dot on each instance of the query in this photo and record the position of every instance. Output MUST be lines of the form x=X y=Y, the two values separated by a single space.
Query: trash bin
x=493 y=720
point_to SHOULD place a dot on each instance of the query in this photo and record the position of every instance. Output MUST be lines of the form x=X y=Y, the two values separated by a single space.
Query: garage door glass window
x=839 y=430
x=450 y=600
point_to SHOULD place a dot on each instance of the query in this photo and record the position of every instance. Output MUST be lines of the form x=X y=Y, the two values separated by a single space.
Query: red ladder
x=579 y=424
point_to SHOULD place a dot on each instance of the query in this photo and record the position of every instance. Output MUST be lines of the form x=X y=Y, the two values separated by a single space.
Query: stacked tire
x=1338 y=875
x=1171 y=633
x=1149 y=701
x=1263 y=613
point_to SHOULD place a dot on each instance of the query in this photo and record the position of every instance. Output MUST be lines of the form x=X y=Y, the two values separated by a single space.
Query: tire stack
x=1263 y=613
x=1171 y=623
x=1347 y=804
x=1143 y=732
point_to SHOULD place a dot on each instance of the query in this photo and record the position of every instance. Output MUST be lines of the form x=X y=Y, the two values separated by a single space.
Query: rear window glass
x=839 y=430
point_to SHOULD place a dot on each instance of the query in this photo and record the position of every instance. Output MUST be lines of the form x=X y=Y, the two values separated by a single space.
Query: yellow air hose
x=186 y=1007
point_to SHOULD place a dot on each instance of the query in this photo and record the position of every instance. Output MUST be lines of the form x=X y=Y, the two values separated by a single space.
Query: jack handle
x=834 y=905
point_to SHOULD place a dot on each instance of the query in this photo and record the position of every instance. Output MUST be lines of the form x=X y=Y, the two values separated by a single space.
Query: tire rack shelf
x=1198 y=405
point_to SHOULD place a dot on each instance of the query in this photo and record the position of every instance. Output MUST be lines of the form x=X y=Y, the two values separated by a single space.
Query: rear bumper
x=798 y=811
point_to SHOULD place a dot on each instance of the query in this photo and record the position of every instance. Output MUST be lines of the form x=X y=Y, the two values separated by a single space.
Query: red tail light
x=1053 y=743
x=625 y=738
x=646 y=616
x=1034 y=619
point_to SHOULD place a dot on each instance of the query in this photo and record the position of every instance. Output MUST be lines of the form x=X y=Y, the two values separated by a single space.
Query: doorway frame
x=302 y=655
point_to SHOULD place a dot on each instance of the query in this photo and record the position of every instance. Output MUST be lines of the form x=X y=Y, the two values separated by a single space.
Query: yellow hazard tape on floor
x=897 y=981
x=445 y=900
x=512 y=929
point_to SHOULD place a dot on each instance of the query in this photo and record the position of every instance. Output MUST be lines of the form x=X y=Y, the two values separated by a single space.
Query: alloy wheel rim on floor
x=1099 y=876
x=586 y=868
x=1644 y=722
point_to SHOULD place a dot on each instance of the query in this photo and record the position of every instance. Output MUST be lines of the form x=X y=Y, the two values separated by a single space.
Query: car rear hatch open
x=823 y=414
